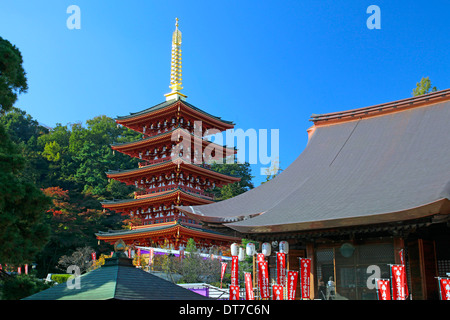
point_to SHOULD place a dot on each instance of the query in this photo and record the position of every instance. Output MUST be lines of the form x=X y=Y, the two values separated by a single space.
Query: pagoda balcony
x=154 y=132
x=150 y=162
x=164 y=159
x=152 y=191
x=166 y=128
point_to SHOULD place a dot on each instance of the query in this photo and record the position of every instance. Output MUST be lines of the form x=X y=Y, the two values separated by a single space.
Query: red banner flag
x=139 y=256
x=263 y=273
x=259 y=257
x=305 y=281
x=248 y=286
x=292 y=284
x=234 y=270
x=281 y=268
x=93 y=256
x=383 y=289
x=402 y=261
x=151 y=253
x=222 y=272
x=234 y=292
x=277 y=292
x=398 y=282
x=444 y=288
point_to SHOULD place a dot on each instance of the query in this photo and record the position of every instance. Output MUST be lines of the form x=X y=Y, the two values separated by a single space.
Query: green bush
x=22 y=286
x=61 y=278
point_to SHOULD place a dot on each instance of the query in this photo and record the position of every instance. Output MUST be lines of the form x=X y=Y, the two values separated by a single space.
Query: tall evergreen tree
x=23 y=230
x=13 y=80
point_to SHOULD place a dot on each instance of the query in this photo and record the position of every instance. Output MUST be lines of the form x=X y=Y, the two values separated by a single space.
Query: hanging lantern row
x=250 y=249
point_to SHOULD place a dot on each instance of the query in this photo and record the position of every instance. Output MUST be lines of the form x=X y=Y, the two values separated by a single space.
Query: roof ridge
x=387 y=106
x=169 y=103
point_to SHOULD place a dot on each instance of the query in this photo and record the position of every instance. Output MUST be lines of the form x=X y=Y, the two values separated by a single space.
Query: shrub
x=22 y=286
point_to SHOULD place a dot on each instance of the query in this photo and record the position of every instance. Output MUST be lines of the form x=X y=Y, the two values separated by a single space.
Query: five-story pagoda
x=174 y=169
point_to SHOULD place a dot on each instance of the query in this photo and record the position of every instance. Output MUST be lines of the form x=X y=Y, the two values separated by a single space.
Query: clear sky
x=262 y=64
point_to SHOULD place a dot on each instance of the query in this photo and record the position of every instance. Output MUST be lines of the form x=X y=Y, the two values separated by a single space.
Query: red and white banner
x=292 y=284
x=260 y=257
x=444 y=288
x=222 y=272
x=263 y=279
x=281 y=268
x=277 y=292
x=234 y=270
x=151 y=254
x=305 y=279
x=234 y=292
x=139 y=256
x=402 y=261
x=248 y=286
x=93 y=256
x=398 y=282
x=383 y=289
x=26 y=269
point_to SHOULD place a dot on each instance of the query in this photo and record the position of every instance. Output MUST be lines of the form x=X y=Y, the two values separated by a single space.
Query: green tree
x=273 y=171
x=13 y=80
x=22 y=286
x=25 y=132
x=74 y=219
x=242 y=170
x=423 y=87
x=92 y=155
x=23 y=230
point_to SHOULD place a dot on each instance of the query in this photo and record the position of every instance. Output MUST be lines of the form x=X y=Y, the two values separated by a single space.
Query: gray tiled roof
x=384 y=168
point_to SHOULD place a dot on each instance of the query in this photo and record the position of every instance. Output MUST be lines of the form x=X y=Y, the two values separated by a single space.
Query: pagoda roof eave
x=174 y=162
x=158 y=228
x=123 y=203
x=133 y=116
x=161 y=136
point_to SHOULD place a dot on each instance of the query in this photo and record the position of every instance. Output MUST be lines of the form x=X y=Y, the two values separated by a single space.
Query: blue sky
x=262 y=64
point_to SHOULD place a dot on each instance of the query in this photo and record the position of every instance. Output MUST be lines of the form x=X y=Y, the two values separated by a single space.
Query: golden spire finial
x=175 y=70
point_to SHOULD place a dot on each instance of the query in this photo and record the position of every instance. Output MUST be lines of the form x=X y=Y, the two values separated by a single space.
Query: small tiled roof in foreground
x=118 y=279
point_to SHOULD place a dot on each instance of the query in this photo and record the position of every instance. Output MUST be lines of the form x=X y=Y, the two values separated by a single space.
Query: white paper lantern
x=234 y=249
x=284 y=247
x=241 y=255
x=266 y=249
x=250 y=249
